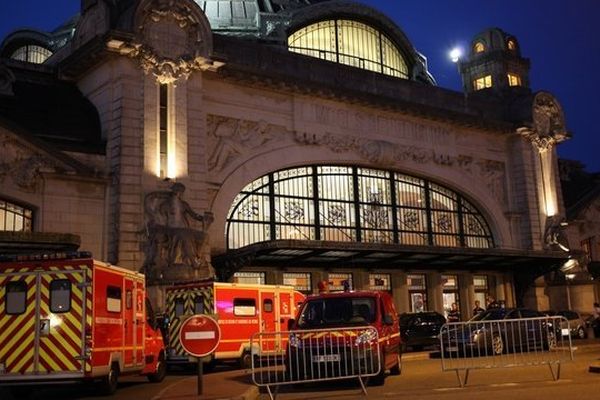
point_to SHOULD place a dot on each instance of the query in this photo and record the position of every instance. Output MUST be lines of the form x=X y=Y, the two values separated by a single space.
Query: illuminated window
x=350 y=43
x=163 y=128
x=514 y=80
x=482 y=83
x=299 y=280
x=450 y=292
x=380 y=282
x=480 y=284
x=353 y=204
x=511 y=44
x=253 y=278
x=340 y=281
x=417 y=292
x=479 y=47
x=15 y=218
x=31 y=53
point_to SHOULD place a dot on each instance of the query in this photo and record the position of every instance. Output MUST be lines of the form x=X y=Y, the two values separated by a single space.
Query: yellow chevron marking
x=18 y=337
x=25 y=358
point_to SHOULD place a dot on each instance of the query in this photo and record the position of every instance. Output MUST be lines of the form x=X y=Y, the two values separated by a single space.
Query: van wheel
x=110 y=382
x=246 y=360
x=581 y=333
x=397 y=369
x=497 y=345
x=161 y=370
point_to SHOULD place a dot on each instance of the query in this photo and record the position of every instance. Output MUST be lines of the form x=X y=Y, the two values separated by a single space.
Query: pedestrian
x=477 y=309
x=596 y=320
x=453 y=314
x=491 y=303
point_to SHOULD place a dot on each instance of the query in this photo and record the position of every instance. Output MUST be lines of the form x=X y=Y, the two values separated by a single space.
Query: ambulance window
x=199 y=305
x=268 y=305
x=60 y=296
x=244 y=307
x=16 y=297
x=179 y=307
x=113 y=299
x=128 y=299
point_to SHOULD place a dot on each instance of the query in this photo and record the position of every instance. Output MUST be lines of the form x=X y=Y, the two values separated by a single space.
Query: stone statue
x=554 y=235
x=174 y=249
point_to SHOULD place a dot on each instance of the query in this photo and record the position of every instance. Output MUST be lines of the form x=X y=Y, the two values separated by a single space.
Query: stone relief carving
x=548 y=127
x=230 y=139
x=173 y=248
x=554 y=235
x=21 y=164
x=173 y=40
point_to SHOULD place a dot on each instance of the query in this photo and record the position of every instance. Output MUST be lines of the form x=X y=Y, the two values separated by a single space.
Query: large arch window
x=15 y=218
x=31 y=53
x=353 y=204
x=351 y=43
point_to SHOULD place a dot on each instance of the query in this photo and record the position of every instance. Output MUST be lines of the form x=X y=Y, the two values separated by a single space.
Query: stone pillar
x=435 y=290
x=316 y=278
x=400 y=291
x=360 y=280
x=466 y=291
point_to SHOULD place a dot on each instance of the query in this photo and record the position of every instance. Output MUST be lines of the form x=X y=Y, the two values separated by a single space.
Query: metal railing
x=315 y=355
x=505 y=343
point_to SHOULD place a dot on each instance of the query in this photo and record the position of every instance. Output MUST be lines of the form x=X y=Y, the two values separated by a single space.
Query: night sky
x=560 y=37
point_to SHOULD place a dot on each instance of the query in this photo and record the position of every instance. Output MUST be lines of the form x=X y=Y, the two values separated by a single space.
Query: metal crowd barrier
x=314 y=355
x=505 y=343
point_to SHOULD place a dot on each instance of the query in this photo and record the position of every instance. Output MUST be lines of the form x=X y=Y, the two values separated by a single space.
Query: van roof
x=351 y=293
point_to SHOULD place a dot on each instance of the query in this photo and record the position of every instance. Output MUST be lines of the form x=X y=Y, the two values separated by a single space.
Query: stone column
x=435 y=290
x=400 y=291
x=466 y=291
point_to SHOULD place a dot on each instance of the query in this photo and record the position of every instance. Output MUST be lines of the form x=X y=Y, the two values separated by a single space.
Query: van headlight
x=366 y=337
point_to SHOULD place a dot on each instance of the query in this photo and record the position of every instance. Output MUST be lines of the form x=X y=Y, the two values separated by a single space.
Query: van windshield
x=320 y=313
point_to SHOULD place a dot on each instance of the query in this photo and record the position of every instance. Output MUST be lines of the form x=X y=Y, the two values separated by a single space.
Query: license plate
x=565 y=332
x=452 y=348
x=326 y=358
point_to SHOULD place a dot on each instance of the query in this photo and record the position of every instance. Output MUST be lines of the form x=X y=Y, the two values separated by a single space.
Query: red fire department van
x=72 y=318
x=241 y=311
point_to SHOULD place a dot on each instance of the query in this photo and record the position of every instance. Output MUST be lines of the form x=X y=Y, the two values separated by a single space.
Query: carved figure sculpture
x=171 y=239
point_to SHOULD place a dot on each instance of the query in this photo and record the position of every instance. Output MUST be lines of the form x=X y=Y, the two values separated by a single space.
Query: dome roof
x=494 y=39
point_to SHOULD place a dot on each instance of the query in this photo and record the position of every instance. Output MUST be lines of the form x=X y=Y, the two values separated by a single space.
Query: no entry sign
x=199 y=335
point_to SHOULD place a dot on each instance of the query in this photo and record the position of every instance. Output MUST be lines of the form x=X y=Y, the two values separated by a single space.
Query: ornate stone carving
x=494 y=175
x=229 y=138
x=173 y=39
x=21 y=164
x=554 y=235
x=548 y=127
x=173 y=248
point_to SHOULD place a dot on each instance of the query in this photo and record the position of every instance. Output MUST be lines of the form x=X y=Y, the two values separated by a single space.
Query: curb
x=252 y=393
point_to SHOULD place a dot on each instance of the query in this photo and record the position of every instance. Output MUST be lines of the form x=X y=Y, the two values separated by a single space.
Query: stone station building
x=281 y=142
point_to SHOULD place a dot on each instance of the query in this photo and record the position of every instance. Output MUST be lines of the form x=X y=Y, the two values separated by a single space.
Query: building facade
x=282 y=143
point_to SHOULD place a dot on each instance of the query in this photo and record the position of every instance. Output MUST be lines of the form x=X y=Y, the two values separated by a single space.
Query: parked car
x=516 y=329
x=576 y=328
x=418 y=330
x=339 y=311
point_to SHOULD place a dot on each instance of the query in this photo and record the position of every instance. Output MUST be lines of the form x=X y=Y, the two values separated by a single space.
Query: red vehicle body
x=73 y=319
x=338 y=311
x=241 y=311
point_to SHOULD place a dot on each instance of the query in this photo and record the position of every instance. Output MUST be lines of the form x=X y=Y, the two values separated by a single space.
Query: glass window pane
x=199 y=305
x=301 y=281
x=16 y=297
x=179 y=307
x=60 y=296
x=244 y=307
x=113 y=299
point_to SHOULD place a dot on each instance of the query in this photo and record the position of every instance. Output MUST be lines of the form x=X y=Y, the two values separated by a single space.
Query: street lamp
x=568 y=279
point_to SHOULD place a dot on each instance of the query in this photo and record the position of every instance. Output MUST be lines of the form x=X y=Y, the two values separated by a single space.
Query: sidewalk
x=231 y=385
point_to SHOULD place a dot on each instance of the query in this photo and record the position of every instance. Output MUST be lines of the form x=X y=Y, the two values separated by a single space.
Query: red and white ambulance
x=241 y=311
x=72 y=318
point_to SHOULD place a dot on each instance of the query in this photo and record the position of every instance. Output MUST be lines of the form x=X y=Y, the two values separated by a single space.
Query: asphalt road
x=421 y=379
x=424 y=380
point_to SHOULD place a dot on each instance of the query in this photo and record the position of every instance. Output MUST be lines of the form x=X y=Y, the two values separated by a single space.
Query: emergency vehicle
x=68 y=317
x=241 y=311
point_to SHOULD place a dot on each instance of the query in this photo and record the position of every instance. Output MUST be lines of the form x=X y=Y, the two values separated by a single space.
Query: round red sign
x=199 y=335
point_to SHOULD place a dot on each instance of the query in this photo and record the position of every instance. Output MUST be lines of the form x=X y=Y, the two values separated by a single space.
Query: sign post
x=199 y=336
